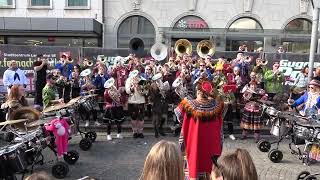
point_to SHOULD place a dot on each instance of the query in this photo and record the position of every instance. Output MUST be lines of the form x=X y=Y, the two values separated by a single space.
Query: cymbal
x=54 y=107
x=39 y=122
x=13 y=122
x=73 y=101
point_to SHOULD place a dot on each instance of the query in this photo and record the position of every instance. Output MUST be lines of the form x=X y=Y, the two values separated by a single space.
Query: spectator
x=317 y=73
x=14 y=75
x=300 y=84
x=39 y=176
x=281 y=50
x=164 y=162
x=235 y=166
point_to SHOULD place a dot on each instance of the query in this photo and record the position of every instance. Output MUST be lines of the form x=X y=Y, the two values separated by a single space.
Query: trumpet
x=89 y=63
x=70 y=60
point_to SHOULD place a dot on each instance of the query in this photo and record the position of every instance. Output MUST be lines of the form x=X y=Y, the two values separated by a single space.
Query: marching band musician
x=75 y=82
x=200 y=137
x=244 y=65
x=136 y=103
x=218 y=77
x=310 y=99
x=274 y=79
x=260 y=69
x=147 y=75
x=48 y=92
x=98 y=81
x=14 y=75
x=40 y=67
x=120 y=73
x=114 y=108
x=251 y=119
x=157 y=92
x=200 y=72
x=65 y=67
x=86 y=85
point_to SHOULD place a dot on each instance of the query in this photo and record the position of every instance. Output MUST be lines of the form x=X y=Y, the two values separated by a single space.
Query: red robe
x=201 y=134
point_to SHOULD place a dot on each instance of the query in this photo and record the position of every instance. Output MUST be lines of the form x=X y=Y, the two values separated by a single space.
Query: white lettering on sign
x=291 y=69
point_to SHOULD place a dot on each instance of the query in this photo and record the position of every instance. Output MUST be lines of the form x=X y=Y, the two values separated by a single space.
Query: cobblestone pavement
x=124 y=159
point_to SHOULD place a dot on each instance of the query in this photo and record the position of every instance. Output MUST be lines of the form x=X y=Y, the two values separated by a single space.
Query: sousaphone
x=183 y=46
x=205 y=48
x=159 y=51
x=25 y=113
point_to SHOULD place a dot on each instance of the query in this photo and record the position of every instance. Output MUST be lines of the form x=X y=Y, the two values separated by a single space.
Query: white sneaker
x=119 y=136
x=231 y=136
x=87 y=124
x=97 y=123
x=109 y=138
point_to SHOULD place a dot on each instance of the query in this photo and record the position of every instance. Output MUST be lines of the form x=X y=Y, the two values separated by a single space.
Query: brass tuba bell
x=205 y=48
x=159 y=51
x=183 y=46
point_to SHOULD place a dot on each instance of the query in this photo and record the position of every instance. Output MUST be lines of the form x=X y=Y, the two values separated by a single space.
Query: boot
x=244 y=134
x=161 y=128
x=156 y=132
x=257 y=137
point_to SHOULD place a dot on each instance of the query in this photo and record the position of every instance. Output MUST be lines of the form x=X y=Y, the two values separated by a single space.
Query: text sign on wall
x=191 y=22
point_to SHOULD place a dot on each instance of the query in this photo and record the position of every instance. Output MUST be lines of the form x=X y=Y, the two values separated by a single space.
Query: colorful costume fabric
x=311 y=101
x=251 y=117
x=60 y=129
x=200 y=134
x=273 y=83
x=48 y=94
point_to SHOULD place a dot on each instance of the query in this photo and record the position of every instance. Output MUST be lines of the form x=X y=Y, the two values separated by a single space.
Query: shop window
x=136 y=26
x=251 y=45
x=296 y=47
x=77 y=4
x=245 y=23
x=7 y=3
x=1 y=39
x=40 y=3
x=299 y=25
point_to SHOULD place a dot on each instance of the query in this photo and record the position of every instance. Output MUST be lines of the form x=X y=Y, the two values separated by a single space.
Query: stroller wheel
x=8 y=136
x=85 y=144
x=263 y=145
x=275 y=155
x=91 y=135
x=310 y=177
x=302 y=175
x=60 y=170
x=71 y=157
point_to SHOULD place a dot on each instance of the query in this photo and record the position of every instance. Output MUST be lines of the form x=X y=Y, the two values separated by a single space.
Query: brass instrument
x=183 y=46
x=136 y=45
x=102 y=58
x=179 y=89
x=163 y=86
x=264 y=62
x=205 y=48
x=159 y=51
x=69 y=60
x=247 y=93
x=88 y=62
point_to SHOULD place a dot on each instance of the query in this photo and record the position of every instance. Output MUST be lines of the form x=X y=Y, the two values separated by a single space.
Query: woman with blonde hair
x=164 y=162
x=234 y=166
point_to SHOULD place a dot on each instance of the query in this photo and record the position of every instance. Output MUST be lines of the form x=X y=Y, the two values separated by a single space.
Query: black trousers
x=38 y=98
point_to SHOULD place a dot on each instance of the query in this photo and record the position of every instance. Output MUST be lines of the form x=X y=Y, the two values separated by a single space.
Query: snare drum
x=12 y=159
x=86 y=103
x=278 y=128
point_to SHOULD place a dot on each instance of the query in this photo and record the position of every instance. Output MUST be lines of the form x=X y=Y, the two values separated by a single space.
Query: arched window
x=299 y=25
x=136 y=26
x=245 y=23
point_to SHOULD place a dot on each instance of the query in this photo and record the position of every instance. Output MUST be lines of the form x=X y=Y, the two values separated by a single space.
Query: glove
x=25 y=86
x=10 y=86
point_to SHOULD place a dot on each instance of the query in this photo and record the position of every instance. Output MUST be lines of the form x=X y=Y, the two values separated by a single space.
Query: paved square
x=124 y=159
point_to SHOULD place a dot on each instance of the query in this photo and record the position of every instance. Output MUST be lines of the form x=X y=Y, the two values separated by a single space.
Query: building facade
x=229 y=23
x=51 y=22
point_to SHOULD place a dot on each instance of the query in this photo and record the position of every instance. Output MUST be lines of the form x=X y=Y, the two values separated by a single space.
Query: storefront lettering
x=292 y=69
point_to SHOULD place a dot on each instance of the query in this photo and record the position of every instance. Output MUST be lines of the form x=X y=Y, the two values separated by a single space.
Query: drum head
x=25 y=113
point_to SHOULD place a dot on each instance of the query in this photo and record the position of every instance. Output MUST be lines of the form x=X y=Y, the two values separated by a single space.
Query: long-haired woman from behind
x=164 y=162
x=235 y=166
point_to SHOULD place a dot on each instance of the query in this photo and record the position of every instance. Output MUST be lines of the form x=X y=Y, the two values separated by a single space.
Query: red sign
x=191 y=22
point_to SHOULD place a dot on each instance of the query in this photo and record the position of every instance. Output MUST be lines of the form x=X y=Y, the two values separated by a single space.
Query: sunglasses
x=202 y=65
x=311 y=87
